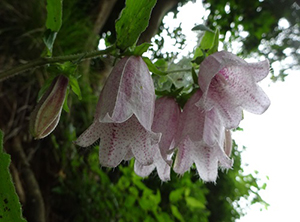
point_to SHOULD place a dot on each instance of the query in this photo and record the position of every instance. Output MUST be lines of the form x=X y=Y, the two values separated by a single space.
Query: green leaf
x=207 y=41
x=139 y=50
x=202 y=28
x=176 y=195
x=49 y=38
x=53 y=23
x=133 y=20
x=65 y=105
x=10 y=208
x=192 y=202
x=153 y=68
x=75 y=86
x=208 y=45
x=215 y=45
x=176 y=213
x=54 y=15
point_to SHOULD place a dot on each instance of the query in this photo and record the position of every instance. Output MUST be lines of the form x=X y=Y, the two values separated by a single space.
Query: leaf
x=153 y=68
x=176 y=213
x=54 y=15
x=133 y=20
x=53 y=22
x=207 y=41
x=49 y=38
x=202 y=28
x=65 y=105
x=140 y=49
x=176 y=195
x=208 y=45
x=193 y=202
x=75 y=86
x=10 y=208
x=215 y=45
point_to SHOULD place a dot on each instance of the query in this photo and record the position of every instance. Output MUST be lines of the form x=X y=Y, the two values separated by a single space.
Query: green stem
x=50 y=60
x=178 y=70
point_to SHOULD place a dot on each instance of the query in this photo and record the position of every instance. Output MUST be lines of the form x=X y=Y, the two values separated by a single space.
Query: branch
x=50 y=60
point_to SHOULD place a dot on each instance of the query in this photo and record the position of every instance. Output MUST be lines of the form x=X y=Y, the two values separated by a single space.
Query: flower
x=229 y=84
x=200 y=140
x=166 y=119
x=45 y=116
x=124 y=115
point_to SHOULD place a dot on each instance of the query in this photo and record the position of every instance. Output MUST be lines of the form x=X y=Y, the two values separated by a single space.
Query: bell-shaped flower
x=200 y=140
x=166 y=119
x=46 y=114
x=230 y=84
x=124 y=115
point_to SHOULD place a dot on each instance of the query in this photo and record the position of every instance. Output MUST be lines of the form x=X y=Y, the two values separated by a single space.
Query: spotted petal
x=163 y=169
x=230 y=84
x=128 y=90
x=201 y=141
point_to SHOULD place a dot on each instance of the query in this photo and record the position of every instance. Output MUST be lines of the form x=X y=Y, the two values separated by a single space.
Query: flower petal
x=115 y=139
x=231 y=114
x=166 y=120
x=206 y=159
x=142 y=146
x=259 y=70
x=163 y=169
x=184 y=156
x=130 y=90
x=141 y=170
x=243 y=90
x=191 y=120
x=229 y=83
x=89 y=136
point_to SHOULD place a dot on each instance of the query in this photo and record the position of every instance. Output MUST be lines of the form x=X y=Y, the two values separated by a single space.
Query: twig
x=50 y=60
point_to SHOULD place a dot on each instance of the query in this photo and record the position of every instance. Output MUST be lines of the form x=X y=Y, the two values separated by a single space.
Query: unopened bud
x=46 y=114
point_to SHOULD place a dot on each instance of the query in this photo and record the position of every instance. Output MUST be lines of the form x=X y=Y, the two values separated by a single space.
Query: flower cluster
x=131 y=123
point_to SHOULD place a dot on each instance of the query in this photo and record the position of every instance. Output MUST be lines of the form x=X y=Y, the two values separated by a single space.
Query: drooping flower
x=230 y=84
x=166 y=119
x=45 y=116
x=124 y=115
x=200 y=140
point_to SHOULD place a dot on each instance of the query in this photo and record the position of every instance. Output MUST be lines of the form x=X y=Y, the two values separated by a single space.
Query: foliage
x=129 y=28
x=87 y=192
x=10 y=208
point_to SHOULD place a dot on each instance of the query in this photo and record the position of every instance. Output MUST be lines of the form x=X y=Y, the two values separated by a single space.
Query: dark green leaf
x=133 y=21
x=10 y=208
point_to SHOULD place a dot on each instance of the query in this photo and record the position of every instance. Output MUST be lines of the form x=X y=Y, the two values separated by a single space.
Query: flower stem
x=50 y=60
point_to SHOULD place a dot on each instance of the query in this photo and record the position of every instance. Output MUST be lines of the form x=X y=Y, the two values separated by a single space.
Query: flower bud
x=46 y=114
